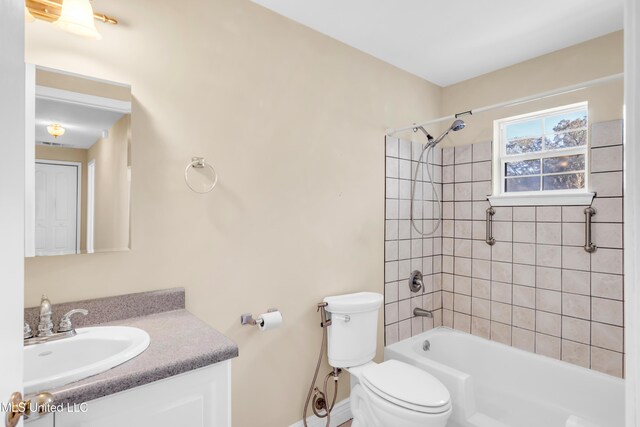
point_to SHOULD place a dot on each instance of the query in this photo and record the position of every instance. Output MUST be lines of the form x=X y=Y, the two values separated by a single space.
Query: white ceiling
x=448 y=41
x=83 y=124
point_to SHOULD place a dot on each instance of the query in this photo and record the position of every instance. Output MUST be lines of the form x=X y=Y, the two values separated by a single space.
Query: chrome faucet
x=45 y=325
x=45 y=331
x=422 y=312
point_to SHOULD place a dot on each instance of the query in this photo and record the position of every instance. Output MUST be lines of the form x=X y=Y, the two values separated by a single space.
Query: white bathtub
x=494 y=385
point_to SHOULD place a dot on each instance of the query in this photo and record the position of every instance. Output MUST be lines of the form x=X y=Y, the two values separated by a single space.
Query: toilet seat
x=406 y=386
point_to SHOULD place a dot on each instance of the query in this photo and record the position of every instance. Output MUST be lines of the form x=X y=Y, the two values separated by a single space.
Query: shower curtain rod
x=538 y=96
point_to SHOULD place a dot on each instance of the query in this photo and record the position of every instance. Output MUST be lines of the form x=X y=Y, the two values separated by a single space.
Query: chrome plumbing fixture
x=415 y=281
x=428 y=147
x=65 y=322
x=27 y=331
x=426 y=345
x=455 y=126
x=421 y=312
x=45 y=331
x=45 y=325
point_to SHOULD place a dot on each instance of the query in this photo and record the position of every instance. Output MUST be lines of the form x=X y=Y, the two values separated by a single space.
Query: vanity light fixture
x=74 y=16
x=77 y=18
x=56 y=130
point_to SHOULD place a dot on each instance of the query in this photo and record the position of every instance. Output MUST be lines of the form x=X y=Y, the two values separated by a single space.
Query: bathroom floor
x=347 y=424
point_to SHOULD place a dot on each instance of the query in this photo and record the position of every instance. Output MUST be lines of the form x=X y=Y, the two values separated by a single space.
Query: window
x=542 y=156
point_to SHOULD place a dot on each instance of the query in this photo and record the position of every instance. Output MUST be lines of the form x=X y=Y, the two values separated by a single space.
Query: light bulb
x=77 y=18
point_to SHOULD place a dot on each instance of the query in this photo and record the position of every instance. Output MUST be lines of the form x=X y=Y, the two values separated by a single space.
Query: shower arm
x=431 y=142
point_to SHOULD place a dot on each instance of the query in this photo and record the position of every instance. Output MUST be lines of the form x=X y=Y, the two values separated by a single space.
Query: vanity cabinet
x=199 y=398
x=46 y=421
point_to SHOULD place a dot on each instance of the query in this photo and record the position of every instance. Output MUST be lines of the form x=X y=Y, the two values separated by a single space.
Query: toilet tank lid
x=354 y=303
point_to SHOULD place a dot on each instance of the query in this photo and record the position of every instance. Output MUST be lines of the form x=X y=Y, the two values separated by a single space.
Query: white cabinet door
x=45 y=421
x=57 y=218
x=199 y=398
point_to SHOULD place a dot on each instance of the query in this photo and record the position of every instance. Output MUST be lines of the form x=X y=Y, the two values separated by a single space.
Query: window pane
x=524 y=129
x=531 y=183
x=568 y=139
x=566 y=121
x=526 y=167
x=528 y=145
x=564 y=164
x=567 y=181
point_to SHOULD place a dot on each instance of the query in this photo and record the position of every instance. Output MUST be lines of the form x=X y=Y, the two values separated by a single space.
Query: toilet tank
x=353 y=333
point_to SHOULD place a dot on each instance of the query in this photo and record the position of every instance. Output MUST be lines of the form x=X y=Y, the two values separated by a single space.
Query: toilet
x=387 y=394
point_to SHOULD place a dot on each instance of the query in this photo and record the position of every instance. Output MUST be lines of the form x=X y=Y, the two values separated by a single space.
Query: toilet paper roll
x=270 y=320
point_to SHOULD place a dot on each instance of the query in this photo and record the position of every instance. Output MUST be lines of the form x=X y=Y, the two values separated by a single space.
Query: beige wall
x=111 y=220
x=75 y=83
x=293 y=121
x=66 y=154
x=593 y=59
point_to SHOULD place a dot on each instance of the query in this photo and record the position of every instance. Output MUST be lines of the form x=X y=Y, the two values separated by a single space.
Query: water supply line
x=320 y=401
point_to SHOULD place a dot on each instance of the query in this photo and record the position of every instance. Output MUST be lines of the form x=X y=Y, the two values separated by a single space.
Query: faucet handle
x=65 y=322
x=27 y=331
x=415 y=281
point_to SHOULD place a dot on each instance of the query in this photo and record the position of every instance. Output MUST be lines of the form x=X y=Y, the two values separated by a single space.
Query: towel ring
x=200 y=163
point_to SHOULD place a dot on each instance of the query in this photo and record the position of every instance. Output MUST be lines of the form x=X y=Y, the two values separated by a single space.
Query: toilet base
x=370 y=410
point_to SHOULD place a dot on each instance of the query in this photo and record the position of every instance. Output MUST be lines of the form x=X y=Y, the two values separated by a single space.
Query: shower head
x=457 y=125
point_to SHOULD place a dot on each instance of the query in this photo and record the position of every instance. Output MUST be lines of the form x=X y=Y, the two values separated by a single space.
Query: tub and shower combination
x=495 y=385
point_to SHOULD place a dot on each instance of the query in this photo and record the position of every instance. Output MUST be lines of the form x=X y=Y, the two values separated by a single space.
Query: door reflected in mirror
x=82 y=164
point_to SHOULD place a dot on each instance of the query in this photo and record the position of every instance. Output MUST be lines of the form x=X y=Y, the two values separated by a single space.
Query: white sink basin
x=92 y=351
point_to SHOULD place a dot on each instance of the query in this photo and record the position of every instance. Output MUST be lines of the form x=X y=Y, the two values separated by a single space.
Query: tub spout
x=422 y=312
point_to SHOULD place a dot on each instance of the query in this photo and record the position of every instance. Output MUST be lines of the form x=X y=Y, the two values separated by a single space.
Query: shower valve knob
x=415 y=281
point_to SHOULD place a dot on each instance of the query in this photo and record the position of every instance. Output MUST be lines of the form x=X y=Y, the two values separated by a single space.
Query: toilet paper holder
x=247 y=318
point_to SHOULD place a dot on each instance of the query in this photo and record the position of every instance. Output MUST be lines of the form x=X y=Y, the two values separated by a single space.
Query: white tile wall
x=406 y=250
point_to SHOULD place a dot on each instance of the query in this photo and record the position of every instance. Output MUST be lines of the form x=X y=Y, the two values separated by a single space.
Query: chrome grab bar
x=589 y=246
x=489 y=239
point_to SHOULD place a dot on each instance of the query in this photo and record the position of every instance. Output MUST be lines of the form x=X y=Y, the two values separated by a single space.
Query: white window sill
x=562 y=199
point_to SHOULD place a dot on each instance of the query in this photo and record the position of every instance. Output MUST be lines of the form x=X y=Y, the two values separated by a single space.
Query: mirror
x=81 y=165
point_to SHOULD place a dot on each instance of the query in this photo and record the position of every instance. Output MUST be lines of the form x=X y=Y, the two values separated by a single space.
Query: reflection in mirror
x=82 y=164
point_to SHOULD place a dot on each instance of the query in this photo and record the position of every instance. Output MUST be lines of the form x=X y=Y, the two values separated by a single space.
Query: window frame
x=579 y=196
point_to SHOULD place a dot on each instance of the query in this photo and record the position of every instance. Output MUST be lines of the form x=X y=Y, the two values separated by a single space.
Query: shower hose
x=429 y=149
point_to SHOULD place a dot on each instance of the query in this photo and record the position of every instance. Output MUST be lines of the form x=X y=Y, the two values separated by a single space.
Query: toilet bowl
x=395 y=394
x=387 y=394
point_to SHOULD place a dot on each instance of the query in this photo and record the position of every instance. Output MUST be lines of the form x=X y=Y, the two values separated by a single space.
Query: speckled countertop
x=180 y=342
